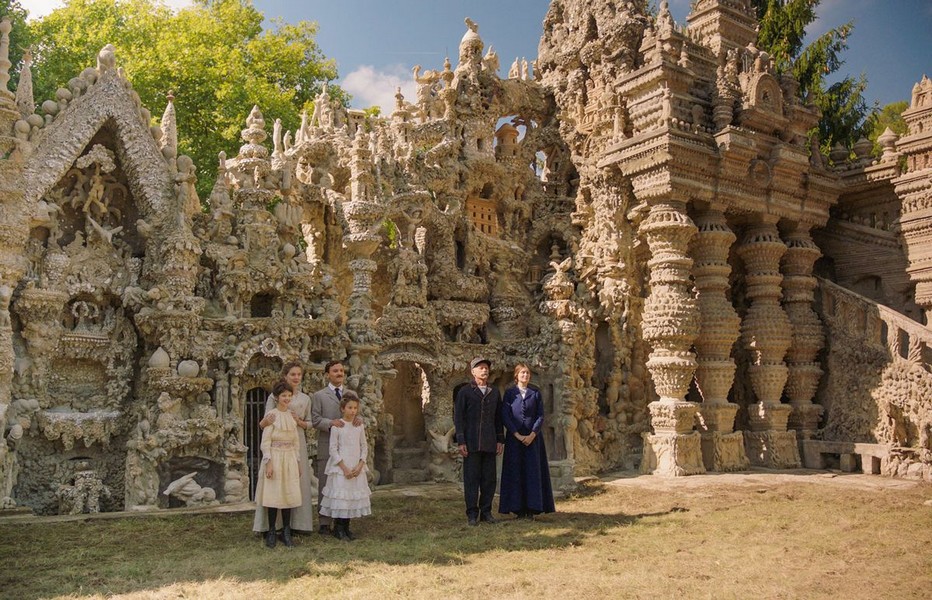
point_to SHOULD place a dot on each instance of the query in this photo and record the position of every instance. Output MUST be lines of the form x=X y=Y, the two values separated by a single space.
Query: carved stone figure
x=191 y=492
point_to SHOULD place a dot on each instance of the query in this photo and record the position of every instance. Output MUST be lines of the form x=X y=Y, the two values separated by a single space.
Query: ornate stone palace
x=640 y=214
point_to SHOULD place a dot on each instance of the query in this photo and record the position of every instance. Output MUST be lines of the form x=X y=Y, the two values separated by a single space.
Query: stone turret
x=914 y=188
x=723 y=25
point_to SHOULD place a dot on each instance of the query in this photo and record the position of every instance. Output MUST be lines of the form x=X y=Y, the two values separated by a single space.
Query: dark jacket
x=478 y=418
x=523 y=416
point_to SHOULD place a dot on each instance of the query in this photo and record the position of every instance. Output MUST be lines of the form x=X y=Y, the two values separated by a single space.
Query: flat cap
x=478 y=361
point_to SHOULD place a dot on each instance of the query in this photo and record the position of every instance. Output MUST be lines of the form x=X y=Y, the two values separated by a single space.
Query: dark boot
x=346 y=530
x=286 y=528
x=286 y=537
x=270 y=537
x=339 y=530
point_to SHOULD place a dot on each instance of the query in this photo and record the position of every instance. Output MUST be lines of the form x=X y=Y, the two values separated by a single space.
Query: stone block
x=723 y=452
x=772 y=449
x=673 y=454
x=848 y=463
x=870 y=465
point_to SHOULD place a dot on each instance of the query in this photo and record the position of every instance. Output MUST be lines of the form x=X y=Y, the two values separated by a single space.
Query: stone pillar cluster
x=670 y=326
x=767 y=336
x=722 y=448
x=808 y=338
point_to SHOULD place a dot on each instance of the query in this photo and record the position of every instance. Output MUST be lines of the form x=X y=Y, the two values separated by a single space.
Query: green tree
x=20 y=36
x=890 y=116
x=214 y=56
x=782 y=34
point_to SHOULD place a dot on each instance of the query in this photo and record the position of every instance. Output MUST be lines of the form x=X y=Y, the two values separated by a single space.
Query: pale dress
x=302 y=517
x=346 y=498
x=280 y=447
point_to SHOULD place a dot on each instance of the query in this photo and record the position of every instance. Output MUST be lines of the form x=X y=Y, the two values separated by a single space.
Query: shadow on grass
x=133 y=555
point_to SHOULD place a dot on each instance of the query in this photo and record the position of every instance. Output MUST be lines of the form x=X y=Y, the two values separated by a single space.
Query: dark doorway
x=252 y=435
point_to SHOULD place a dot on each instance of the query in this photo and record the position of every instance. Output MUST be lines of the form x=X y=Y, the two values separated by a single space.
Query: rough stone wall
x=887 y=399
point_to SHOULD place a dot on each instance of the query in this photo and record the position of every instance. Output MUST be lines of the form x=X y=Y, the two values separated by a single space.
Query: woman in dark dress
x=525 y=489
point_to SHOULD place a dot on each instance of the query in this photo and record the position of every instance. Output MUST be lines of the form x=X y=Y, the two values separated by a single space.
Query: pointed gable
x=108 y=103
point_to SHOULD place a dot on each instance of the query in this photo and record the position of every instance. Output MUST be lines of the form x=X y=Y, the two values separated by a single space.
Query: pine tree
x=782 y=34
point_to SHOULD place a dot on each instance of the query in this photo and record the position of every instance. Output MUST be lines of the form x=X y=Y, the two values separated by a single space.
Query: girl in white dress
x=302 y=517
x=280 y=488
x=346 y=494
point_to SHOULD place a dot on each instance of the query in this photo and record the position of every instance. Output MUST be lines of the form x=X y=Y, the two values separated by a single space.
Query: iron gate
x=252 y=435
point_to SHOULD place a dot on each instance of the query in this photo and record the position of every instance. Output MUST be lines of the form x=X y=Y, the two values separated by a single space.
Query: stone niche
x=401 y=453
x=209 y=475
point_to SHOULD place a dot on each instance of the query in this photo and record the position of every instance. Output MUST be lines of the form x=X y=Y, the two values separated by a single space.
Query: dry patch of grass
x=805 y=539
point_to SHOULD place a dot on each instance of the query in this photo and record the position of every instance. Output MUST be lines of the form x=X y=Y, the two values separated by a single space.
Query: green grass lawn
x=811 y=539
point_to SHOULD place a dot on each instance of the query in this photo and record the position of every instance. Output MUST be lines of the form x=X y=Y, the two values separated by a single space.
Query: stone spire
x=723 y=25
x=169 y=130
x=7 y=99
x=24 y=97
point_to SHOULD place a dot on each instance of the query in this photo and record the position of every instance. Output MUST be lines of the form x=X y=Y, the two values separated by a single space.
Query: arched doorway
x=252 y=435
x=401 y=454
x=257 y=379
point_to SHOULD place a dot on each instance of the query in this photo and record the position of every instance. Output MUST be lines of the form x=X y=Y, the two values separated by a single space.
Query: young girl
x=346 y=494
x=280 y=472
x=302 y=518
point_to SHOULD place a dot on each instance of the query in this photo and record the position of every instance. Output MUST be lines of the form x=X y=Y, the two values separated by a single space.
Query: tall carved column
x=766 y=334
x=808 y=337
x=722 y=448
x=670 y=325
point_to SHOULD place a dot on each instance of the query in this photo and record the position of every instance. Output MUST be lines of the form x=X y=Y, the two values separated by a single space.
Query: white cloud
x=370 y=86
x=40 y=8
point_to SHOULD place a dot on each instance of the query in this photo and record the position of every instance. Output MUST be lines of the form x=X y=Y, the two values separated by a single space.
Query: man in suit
x=477 y=417
x=326 y=413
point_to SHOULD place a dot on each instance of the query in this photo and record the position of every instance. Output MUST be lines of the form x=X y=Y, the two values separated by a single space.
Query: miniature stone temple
x=639 y=214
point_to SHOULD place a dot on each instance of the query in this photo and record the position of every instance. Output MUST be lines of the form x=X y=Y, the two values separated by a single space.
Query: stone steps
x=405 y=476
x=409 y=458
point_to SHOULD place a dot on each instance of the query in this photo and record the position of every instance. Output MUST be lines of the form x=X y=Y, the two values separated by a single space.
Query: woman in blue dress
x=525 y=489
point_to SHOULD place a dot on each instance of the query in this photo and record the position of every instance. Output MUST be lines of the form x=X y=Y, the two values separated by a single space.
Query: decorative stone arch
x=109 y=102
x=766 y=94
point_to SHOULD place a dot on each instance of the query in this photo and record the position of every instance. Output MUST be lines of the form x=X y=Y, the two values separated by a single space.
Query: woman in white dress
x=346 y=495
x=280 y=487
x=302 y=517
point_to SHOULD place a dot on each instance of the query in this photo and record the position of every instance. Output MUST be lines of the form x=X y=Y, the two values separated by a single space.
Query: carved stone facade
x=638 y=215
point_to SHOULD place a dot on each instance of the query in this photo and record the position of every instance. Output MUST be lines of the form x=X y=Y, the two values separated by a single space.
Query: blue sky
x=376 y=42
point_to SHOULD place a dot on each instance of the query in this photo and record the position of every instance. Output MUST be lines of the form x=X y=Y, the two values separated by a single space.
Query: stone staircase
x=409 y=463
x=877 y=388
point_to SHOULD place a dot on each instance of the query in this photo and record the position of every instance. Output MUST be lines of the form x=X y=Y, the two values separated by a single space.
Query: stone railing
x=878 y=383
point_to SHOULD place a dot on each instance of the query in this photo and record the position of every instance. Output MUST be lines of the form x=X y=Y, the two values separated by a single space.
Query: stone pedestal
x=724 y=452
x=673 y=449
x=562 y=475
x=722 y=449
x=772 y=449
x=769 y=444
x=673 y=454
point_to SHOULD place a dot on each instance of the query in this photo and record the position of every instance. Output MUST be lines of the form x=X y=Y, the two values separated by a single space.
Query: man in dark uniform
x=477 y=417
